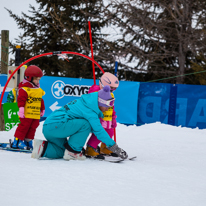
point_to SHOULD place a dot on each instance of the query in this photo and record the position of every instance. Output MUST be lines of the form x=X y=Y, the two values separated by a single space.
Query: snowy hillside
x=170 y=170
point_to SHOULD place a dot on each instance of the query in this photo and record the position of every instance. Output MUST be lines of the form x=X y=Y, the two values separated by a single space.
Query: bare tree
x=163 y=36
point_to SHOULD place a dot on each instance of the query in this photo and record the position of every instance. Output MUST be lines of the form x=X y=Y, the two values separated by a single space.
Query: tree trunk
x=181 y=72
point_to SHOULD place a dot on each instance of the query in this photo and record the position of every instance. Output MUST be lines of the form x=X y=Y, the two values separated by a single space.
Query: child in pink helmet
x=109 y=120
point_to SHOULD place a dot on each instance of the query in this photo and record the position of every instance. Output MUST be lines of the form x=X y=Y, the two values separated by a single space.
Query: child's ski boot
x=29 y=143
x=105 y=151
x=18 y=144
x=91 y=152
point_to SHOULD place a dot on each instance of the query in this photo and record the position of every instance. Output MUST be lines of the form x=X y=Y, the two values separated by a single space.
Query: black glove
x=120 y=152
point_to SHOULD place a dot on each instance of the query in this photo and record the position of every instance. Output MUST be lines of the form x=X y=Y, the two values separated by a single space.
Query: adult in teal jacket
x=66 y=129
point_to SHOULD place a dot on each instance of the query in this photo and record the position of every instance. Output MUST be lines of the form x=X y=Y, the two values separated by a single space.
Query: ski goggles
x=109 y=102
x=111 y=88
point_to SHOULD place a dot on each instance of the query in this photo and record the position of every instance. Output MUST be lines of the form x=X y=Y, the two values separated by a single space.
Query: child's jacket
x=30 y=97
x=106 y=121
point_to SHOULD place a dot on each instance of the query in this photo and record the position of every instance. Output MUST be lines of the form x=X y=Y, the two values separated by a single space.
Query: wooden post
x=2 y=123
x=4 y=66
x=4 y=51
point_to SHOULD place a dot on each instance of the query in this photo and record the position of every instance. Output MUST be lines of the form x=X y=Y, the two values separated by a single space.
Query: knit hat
x=104 y=95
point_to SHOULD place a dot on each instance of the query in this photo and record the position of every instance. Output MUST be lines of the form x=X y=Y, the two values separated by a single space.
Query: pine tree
x=63 y=26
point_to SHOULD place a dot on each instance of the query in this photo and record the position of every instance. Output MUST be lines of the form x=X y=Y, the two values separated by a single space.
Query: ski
x=113 y=159
x=4 y=144
x=116 y=156
x=117 y=159
x=7 y=147
x=15 y=150
x=106 y=158
x=131 y=158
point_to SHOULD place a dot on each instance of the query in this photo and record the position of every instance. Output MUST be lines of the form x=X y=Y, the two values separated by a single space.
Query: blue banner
x=153 y=103
x=3 y=80
x=177 y=105
x=191 y=106
x=126 y=98
x=61 y=90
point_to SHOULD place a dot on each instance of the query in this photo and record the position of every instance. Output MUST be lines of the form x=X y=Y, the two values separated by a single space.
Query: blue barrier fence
x=136 y=103
x=177 y=105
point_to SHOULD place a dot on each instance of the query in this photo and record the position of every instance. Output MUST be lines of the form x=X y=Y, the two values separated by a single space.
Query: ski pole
x=115 y=73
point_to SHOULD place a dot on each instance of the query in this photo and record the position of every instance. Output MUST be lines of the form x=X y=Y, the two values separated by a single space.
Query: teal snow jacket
x=87 y=108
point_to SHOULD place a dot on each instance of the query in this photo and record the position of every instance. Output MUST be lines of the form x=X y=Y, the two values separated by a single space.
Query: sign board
x=13 y=81
x=11 y=117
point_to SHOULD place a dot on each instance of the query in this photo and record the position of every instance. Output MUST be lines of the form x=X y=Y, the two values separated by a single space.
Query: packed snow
x=170 y=170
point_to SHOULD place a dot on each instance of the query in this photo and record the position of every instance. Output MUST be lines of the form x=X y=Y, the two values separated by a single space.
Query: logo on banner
x=57 y=89
x=60 y=89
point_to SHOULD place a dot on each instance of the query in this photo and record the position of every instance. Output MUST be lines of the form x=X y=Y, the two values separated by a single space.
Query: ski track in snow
x=169 y=171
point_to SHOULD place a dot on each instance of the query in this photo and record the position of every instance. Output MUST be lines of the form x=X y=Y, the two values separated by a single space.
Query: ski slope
x=170 y=170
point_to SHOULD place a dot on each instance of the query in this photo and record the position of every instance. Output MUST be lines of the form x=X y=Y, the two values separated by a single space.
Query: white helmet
x=109 y=79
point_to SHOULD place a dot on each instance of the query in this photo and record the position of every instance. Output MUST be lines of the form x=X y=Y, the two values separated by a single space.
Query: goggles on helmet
x=111 y=88
x=109 y=102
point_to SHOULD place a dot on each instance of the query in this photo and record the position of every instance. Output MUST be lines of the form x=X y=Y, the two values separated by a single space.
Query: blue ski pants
x=57 y=135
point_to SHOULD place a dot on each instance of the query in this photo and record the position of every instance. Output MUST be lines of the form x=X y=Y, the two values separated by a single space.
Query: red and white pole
x=93 y=67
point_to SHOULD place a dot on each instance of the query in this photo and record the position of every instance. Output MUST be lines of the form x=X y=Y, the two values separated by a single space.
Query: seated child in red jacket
x=31 y=108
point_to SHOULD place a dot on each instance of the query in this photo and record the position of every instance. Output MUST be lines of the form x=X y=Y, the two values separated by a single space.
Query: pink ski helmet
x=110 y=80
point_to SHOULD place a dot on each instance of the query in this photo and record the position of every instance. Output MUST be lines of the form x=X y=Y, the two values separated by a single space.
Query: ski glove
x=21 y=112
x=117 y=150
x=114 y=121
x=42 y=113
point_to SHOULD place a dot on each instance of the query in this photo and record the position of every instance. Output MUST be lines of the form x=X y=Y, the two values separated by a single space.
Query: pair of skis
x=7 y=147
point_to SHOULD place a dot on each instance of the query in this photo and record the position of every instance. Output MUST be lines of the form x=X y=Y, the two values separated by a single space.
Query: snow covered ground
x=170 y=170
